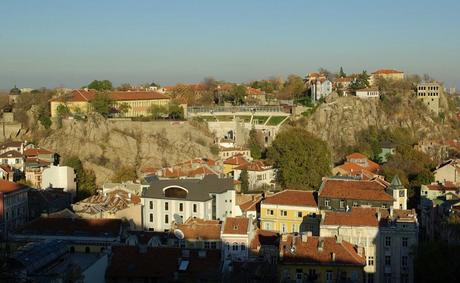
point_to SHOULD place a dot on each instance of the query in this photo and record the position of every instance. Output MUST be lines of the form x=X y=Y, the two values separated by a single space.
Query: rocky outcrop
x=339 y=121
x=105 y=145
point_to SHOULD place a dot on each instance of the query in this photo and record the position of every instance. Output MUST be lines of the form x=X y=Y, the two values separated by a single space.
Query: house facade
x=448 y=172
x=167 y=202
x=387 y=74
x=236 y=236
x=60 y=177
x=429 y=94
x=260 y=174
x=285 y=212
x=368 y=93
x=318 y=85
x=13 y=206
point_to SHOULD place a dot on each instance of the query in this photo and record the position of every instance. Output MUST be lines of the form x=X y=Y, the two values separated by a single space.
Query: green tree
x=124 y=108
x=103 y=85
x=86 y=179
x=158 y=111
x=124 y=173
x=237 y=95
x=293 y=88
x=63 y=110
x=360 y=82
x=175 y=112
x=244 y=179
x=342 y=73
x=102 y=103
x=45 y=120
x=302 y=159
x=255 y=145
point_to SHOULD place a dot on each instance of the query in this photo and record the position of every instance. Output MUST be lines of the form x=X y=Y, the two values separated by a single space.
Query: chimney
x=379 y=215
x=304 y=238
x=391 y=212
x=333 y=257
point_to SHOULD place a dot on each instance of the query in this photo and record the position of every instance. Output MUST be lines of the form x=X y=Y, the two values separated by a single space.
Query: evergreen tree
x=254 y=144
x=244 y=179
x=342 y=73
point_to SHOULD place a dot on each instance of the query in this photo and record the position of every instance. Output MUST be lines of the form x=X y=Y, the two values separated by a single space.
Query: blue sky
x=69 y=43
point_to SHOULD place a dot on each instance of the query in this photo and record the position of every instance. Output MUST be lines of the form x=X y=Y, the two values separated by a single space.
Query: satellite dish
x=179 y=234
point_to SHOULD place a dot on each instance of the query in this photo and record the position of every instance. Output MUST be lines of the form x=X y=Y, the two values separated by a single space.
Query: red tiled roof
x=251 y=205
x=196 y=228
x=254 y=91
x=448 y=186
x=358 y=216
x=309 y=251
x=7 y=186
x=256 y=165
x=293 y=198
x=354 y=189
x=36 y=151
x=81 y=95
x=11 y=154
x=236 y=160
x=161 y=263
x=356 y=155
x=386 y=72
x=236 y=225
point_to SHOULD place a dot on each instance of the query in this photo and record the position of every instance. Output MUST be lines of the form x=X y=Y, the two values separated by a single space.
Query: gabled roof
x=319 y=251
x=236 y=160
x=357 y=216
x=236 y=225
x=11 y=144
x=251 y=205
x=36 y=151
x=372 y=190
x=11 y=154
x=356 y=155
x=292 y=198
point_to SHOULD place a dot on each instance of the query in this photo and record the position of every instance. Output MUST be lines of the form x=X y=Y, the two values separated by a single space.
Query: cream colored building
x=429 y=94
x=139 y=102
x=448 y=172
x=386 y=74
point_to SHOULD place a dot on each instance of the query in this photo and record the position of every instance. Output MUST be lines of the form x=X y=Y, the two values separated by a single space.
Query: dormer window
x=175 y=192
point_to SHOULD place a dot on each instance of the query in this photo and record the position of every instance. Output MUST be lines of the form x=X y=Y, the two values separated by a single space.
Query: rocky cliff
x=339 y=120
x=106 y=146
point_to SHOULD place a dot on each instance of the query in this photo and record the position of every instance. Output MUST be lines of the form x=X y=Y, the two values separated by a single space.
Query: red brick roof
x=236 y=160
x=293 y=198
x=7 y=186
x=354 y=190
x=236 y=225
x=36 y=151
x=80 y=95
x=319 y=250
x=358 y=216
x=11 y=154
x=256 y=165
x=386 y=72
x=196 y=228
x=251 y=205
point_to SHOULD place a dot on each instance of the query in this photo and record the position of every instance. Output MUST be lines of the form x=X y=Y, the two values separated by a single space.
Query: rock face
x=338 y=122
x=106 y=146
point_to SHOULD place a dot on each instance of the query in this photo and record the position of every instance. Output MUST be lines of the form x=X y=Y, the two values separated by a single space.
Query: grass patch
x=276 y=120
x=261 y=119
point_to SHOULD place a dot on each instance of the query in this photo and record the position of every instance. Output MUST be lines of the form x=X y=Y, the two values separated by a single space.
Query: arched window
x=235 y=246
x=243 y=246
x=175 y=192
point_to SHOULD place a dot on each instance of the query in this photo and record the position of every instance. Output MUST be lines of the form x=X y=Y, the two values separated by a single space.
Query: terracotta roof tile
x=196 y=228
x=236 y=160
x=356 y=155
x=319 y=250
x=36 y=151
x=293 y=198
x=354 y=190
x=264 y=238
x=11 y=154
x=358 y=216
x=256 y=165
x=236 y=225
x=7 y=186
x=386 y=72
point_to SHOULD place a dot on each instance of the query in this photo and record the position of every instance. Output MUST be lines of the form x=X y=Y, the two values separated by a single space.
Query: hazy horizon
x=70 y=43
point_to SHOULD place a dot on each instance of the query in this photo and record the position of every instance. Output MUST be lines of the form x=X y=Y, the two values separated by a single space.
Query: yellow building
x=386 y=74
x=285 y=212
x=233 y=162
x=139 y=102
x=306 y=258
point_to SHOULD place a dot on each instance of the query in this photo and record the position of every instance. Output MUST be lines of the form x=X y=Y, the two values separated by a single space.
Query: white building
x=448 y=172
x=368 y=93
x=13 y=158
x=260 y=174
x=167 y=202
x=236 y=235
x=60 y=177
x=387 y=237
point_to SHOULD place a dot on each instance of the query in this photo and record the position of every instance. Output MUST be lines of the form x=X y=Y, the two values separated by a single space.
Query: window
x=387 y=278
x=194 y=208
x=213 y=245
x=268 y=226
x=181 y=207
x=166 y=206
x=151 y=217
x=235 y=246
x=402 y=193
x=243 y=247
x=283 y=213
x=404 y=241
x=151 y=204
x=299 y=214
x=355 y=203
x=404 y=260
x=283 y=228
x=270 y=212
x=387 y=260
x=370 y=261
x=404 y=278
x=327 y=203
x=329 y=276
x=206 y=245
x=166 y=219
x=342 y=203
x=294 y=228
x=387 y=241
x=87 y=250
x=370 y=278
x=298 y=274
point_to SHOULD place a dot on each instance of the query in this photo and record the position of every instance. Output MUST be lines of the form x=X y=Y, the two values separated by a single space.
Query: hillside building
x=429 y=94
